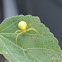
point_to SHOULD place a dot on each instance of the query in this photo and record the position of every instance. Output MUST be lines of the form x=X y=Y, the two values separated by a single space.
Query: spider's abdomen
x=22 y=25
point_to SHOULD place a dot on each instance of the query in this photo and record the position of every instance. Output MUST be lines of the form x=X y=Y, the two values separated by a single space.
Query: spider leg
x=32 y=29
x=17 y=36
x=17 y=31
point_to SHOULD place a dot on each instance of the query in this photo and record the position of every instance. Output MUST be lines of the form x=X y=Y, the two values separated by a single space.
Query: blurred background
x=49 y=11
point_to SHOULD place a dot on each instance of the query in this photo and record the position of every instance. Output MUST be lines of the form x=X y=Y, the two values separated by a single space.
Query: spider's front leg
x=17 y=31
x=32 y=29
x=17 y=36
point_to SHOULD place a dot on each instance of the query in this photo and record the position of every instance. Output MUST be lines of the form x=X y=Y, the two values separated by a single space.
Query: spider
x=23 y=25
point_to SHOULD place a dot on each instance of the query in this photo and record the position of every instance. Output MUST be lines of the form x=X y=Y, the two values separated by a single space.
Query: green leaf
x=31 y=46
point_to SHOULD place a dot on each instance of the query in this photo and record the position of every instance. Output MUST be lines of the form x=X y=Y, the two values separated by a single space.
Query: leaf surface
x=31 y=46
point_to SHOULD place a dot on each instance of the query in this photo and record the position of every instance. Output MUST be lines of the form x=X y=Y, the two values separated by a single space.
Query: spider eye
x=22 y=25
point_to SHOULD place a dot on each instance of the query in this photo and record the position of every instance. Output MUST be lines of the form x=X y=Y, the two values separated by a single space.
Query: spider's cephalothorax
x=23 y=25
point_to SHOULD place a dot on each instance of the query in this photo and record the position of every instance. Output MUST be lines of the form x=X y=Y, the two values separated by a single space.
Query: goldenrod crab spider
x=23 y=25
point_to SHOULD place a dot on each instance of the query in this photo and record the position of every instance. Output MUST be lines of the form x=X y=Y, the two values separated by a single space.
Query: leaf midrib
x=28 y=34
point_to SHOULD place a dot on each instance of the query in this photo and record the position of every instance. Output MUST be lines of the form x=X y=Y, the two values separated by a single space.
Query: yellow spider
x=23 y=25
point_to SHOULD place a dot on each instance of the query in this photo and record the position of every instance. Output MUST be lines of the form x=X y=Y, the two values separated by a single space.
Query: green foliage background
x=31 y=46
